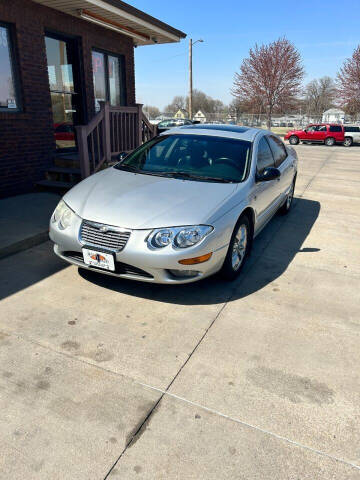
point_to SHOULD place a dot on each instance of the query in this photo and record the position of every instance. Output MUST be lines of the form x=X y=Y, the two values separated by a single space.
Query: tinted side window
x=352 y=129
x=335 y=128
x=278 y=149
x=264 y=156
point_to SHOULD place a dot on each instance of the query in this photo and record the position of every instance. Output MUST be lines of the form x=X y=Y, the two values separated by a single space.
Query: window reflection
x=7 y=86
x=59 y=65
x=98 y=63
x=108 y=72
x=114 y=81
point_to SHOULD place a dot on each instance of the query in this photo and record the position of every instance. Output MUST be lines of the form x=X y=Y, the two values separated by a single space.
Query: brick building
x=58 y=60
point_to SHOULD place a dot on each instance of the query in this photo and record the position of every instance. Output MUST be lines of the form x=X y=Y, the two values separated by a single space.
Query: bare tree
x=319 y=96
x=200 y=101
x=205 y=103
x=348 y=80
x=151 y=112
x=178 y=102
x=271 y=75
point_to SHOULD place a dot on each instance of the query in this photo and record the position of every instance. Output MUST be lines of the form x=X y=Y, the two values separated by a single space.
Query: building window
x=9 y=98
x=109 y=78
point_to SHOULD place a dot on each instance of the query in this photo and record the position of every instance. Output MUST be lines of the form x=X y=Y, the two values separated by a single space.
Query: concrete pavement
x=24 y=221
x=101 y=378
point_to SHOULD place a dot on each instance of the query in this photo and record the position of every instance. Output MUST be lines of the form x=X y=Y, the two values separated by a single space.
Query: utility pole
x=191 y=43
x=190 y=78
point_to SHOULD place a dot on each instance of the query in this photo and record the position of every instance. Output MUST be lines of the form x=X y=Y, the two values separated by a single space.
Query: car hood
x=294 y=132
x=136 y=201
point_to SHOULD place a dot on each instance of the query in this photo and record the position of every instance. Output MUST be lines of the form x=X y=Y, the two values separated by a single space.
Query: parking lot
x=256 y=379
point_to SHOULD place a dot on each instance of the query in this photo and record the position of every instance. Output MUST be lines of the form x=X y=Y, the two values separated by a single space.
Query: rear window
x=278 y=149
x=352 y=129
x=335 y=128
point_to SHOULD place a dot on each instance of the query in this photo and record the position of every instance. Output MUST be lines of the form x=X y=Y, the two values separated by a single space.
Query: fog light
x=184 y=273
x=195 y=260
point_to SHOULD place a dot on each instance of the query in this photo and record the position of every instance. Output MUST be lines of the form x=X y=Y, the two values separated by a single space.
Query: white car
x=181 y=207
x=352 y=135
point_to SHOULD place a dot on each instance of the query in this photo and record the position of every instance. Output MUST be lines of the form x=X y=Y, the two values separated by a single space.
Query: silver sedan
x=181 y=207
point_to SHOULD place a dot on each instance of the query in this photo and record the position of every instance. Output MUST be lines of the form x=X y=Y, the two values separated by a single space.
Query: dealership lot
x=105 y=378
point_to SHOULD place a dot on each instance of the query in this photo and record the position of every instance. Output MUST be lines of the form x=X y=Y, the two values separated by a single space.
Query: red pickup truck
x=327 y=133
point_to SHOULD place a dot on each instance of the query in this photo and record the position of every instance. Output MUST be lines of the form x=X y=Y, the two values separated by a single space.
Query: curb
x=24 y=244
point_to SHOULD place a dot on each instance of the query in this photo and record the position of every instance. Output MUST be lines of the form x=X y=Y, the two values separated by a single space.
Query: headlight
x=178 y=237
x=63 y=215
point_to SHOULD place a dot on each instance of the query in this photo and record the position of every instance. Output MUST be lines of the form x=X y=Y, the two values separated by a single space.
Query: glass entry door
x=64 y=90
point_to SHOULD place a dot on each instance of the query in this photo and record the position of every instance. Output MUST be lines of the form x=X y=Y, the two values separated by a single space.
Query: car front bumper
x=138 y=262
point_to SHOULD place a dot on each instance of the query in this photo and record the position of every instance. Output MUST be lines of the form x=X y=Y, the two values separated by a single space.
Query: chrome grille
x=105 y=236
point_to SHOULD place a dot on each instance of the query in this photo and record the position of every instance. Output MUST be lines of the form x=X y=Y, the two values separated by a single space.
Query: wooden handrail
x=113 y=129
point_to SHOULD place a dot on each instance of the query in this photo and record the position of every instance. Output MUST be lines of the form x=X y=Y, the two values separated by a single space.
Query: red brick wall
x=26 y=138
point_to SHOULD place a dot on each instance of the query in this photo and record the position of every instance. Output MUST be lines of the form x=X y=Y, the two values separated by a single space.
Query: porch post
x=83 y=150
x=139 y=130
x=107 y=138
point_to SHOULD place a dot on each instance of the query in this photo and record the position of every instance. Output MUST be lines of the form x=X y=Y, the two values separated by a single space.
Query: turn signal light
x=195 y=260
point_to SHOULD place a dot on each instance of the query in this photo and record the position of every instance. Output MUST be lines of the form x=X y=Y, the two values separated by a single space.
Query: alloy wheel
x=239 y=247
x=290 y=197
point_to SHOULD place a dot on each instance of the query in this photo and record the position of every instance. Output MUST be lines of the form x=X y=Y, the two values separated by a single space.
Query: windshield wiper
x=197 y=177
x=177 y=175
x=129 y=168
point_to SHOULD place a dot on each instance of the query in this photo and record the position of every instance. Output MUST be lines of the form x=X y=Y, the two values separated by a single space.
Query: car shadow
x=273 y=251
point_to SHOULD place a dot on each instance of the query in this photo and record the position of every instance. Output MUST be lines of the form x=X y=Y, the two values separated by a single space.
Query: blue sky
x=325 y=33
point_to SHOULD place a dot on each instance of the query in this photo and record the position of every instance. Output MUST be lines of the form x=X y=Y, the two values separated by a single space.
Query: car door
x=284 y=163
x=356 y=134
x=309 y=132
x=336 y=131
x=319 y=133
x=266 y=193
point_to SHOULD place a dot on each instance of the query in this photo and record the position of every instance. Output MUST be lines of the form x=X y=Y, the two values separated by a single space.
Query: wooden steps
x=63 y=175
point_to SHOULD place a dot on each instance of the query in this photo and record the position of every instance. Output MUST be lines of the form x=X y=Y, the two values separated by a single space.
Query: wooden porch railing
x=113 y=130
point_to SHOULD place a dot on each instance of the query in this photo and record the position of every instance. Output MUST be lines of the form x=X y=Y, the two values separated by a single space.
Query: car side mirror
x=121 y=156
x=268 y=174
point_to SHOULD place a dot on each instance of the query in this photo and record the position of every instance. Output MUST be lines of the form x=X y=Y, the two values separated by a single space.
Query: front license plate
x=99 y=259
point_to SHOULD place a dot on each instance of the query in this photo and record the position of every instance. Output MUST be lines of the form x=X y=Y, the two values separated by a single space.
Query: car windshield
x=194 y=157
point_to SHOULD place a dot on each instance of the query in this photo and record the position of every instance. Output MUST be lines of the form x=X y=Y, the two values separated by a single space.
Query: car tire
x=348 y=142
x=330 y=141
x=239 y=249
x=293 y=140
x=286 y=207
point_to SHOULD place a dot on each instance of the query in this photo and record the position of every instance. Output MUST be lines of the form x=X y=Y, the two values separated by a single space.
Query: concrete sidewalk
x=24 y=221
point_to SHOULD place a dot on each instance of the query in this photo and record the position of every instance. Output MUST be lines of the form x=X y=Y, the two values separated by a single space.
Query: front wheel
x=348 y=142
x=293 y=140
x=239 y=249
x=329 y=142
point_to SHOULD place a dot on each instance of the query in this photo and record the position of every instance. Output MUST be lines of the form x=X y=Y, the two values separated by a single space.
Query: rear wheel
x=330 y=141
x=284 y=209
x=293 y=140
x=239 y=249
x=348 y=142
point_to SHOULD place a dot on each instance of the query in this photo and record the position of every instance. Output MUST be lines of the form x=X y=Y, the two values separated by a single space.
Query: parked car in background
x=326 y=133
x=64 y=134
x=64 y=131
x=171 y=123
x=181 y=207
x=352 y=135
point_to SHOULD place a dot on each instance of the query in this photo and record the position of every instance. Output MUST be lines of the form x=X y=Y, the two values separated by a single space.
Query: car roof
x=226 y=131
x=175 y=119
x=326 y=123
